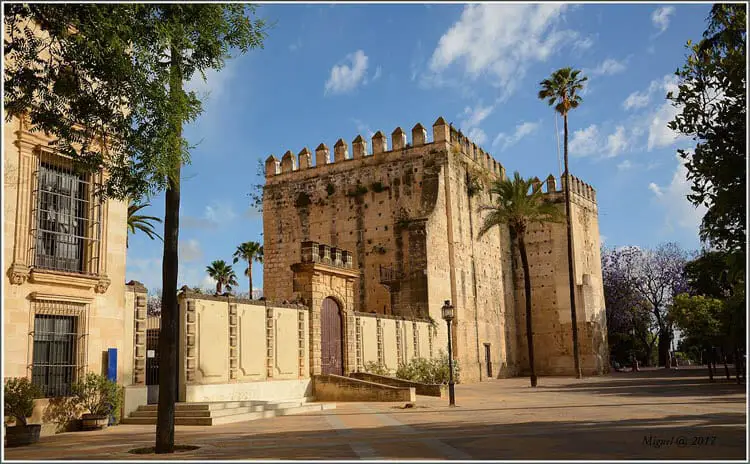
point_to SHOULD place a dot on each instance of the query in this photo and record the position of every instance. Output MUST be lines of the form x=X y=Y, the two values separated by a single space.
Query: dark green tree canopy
x=712 y=93
x=97 y=79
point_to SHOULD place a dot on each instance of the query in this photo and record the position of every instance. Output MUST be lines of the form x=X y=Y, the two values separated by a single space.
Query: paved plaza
x=654 y=414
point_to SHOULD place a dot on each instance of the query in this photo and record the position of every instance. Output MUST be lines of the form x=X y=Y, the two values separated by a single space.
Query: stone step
x=218 y=405
x=218 y=412
x=230 y=415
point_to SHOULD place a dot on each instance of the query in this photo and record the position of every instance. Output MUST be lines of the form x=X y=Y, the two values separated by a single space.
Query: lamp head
x=448 y=311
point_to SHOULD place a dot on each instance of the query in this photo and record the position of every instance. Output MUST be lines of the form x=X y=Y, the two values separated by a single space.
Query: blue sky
x=336 y=71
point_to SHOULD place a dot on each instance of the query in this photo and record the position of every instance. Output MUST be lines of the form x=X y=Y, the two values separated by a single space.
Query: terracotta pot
x=22 y=435
x=94 y=422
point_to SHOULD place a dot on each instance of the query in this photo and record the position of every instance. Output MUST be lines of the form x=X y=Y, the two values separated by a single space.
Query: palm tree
x=139 y=222
x=249 y=251
x=560 y=90
x=518 y=208
x=223 y=274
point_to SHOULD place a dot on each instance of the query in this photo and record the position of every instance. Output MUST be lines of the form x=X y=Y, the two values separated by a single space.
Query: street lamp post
x=448 y=314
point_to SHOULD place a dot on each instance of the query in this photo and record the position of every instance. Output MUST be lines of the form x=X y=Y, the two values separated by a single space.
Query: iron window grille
x=67 y=216
x=59 y=346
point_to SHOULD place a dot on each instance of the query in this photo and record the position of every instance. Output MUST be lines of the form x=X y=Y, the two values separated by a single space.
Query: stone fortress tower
x=407 y=217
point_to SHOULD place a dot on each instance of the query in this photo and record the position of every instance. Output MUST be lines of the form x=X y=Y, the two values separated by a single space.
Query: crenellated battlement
x=577 y=187
x=442 y=134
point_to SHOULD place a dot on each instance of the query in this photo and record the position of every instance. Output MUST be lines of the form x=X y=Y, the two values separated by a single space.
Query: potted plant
x=20 y=394
x=100 y=397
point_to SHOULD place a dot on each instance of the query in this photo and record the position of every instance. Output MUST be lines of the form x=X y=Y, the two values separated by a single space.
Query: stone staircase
x=225 y=412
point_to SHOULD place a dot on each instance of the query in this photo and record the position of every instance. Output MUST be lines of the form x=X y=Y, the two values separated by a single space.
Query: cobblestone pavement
x=653 y=414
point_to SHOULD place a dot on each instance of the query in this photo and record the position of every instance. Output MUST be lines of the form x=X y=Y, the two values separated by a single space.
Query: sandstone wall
x=98 y=298
x=230 y=341
x=547 y=251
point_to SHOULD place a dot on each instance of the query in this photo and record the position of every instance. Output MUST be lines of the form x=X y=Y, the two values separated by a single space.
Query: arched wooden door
x=331 y=339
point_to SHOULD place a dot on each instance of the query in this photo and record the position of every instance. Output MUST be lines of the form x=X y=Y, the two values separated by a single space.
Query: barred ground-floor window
x=58 y=346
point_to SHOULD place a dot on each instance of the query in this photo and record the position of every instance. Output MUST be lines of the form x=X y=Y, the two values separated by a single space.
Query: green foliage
x=377 y=368
x=699 y=318
x=62 y=411
x=430 y=371
x=249 y=251
x=473 y=184
x=561 y=90
x=19 y=396
x=712 y=94
x=131 y=52
x=358 y=190
x=517 y=203
x=224 y=275
x=377 y=187
x=708 y=275
x=330 y=189
x=97 y=394
x=140 y=222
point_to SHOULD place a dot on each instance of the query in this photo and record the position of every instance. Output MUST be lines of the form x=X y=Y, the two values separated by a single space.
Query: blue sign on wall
x=112 y=364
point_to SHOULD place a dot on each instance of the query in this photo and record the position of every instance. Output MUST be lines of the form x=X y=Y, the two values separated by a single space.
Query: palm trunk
x=527 y=289
x=168 y=337
x=218 y=287
x=250 y=276
x=571 y=276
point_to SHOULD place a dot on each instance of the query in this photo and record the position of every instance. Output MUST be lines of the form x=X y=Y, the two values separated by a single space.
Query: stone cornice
x=99 y=283
x=325 y=269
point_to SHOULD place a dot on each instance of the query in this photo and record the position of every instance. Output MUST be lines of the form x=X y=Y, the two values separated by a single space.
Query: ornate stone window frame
x=31 y=149
x=59 y=305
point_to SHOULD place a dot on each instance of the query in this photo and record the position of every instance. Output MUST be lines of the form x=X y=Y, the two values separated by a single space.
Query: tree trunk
x=726 y=367
x=250 y=276
x=664 y=341
x=710 y=370
x=527 y=289
x=737 y=363
x=218 y=287
x=168 y=336
x=571 y=276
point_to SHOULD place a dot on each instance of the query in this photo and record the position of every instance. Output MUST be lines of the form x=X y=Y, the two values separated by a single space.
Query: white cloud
x=608 y=67
x=363 y=129
x=190 y=250
x=585 y=141
x=472 y=118
x=660 y=17
x=659 y=135
x=212 y=87
x=678 y=211
x=583 y=44
x=502 y=41
x=636 y=100
x=477 y=136
x=213 y=216
x=295 y=46
x=346 y=77
x=616 y=142
x=590 y=141
x=522 y=130
x=378 y=72
x=624 y=166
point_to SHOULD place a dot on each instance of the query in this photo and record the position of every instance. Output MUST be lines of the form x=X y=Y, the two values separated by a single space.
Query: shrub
x=62 y=411
x=376 y=368
x=97 y=394
x=20 y=394
x=431 y=371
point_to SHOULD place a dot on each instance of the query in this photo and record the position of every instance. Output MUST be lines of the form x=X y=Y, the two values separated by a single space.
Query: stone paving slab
x=646 y=415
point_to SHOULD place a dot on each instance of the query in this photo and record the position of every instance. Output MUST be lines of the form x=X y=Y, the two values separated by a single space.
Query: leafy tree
x=107 y=81
x=561 y=91
x=249 y=251
x=712 y=94
x=708 y=275
x=223 y=274
x=628 y=313
x=519 y=203
x=701 y=320
x=140 y=222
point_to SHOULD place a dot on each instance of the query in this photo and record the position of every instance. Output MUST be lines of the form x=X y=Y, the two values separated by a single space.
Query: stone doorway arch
x=327 y=273
x=331 y=338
